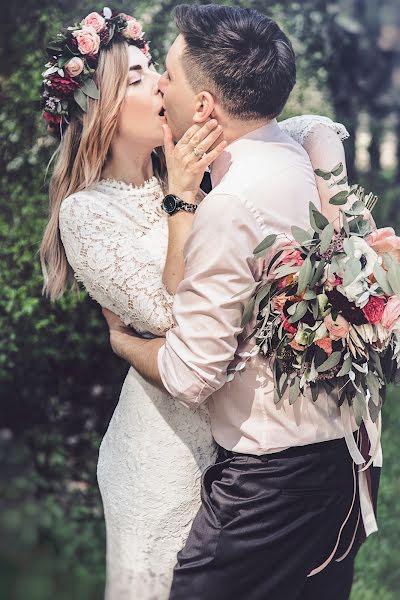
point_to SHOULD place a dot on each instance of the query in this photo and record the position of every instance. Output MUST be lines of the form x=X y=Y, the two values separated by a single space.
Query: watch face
x=169 y=203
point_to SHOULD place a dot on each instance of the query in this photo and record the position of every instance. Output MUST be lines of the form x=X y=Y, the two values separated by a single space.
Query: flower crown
x=68 y=80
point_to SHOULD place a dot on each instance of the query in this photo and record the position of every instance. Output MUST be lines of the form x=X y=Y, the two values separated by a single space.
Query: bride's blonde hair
x=80 y=159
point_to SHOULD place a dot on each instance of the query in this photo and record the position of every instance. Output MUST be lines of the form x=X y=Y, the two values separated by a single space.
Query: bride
x=106 y=226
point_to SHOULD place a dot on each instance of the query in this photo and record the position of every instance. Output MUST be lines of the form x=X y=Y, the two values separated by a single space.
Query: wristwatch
x=171 y=204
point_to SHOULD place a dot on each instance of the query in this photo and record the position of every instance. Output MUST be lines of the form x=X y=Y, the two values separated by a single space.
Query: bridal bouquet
x=328 y=306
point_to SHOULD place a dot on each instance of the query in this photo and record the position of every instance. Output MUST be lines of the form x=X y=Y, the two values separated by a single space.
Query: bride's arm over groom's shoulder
x=323 y=141
x=115 y=267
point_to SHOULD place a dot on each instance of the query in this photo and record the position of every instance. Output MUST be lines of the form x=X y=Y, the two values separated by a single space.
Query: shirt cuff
x=181 y=383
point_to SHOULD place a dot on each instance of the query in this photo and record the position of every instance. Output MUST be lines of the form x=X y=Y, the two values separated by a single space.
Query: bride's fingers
x=199 y=136
x=208 y=141
x=185 y=139
x=211 y=156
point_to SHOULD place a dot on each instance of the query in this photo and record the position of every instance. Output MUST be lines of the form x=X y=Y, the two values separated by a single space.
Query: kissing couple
x=163 y=186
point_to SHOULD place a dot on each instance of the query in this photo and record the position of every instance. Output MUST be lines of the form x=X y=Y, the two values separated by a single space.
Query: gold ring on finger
x=196 y=152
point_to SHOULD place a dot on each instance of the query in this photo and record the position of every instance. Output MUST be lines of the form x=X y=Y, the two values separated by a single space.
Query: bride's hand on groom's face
x=190 y=157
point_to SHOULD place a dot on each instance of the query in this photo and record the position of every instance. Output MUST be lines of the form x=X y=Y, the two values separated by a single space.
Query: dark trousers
x=266 y=522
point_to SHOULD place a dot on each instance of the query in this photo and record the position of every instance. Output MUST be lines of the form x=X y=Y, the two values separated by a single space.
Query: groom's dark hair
x=240 y=55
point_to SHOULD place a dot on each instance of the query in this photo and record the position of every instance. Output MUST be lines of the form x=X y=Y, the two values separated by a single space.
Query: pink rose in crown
x=373 y=310
x=391 y=314
x=385 y=241
x=74 y=67
x=133 y=30
x=96 y=21
x=88 y=40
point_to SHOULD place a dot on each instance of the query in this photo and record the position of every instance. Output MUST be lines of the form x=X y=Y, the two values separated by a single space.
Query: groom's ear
x=204 y=106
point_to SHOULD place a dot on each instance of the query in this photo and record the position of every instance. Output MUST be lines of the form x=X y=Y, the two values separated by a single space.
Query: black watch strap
x=171 y=204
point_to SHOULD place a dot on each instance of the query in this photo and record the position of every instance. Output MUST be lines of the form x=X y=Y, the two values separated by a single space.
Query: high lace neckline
x=116 y=184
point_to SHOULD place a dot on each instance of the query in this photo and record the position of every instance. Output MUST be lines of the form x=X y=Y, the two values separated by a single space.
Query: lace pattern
x=115 y=239
x=299 y=128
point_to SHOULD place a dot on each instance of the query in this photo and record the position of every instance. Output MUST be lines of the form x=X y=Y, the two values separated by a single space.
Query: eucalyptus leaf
x=294 y=390
x=353 y=269
x=314 y=390
x=357 y=208
x=374 y=410
x=346 y=225
x=319 y=219
x=299 y=234
x=285 y=270
x=301 y=310
x=90 y=89
x=263 y=293
x=330 y=362
x=248 y=312
x=304 y=275
x=81 y=99
x=318 y=273
x=381 y=277
x=373 y=386
x=339 y=198
x=265 y=244
x=309 y=295
x=326 y=237
x=343 y=181
x=315 y=309
x=359 y=407
x=346 y=367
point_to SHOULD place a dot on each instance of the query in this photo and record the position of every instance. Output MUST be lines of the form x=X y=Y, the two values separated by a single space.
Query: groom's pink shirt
x=262 y=184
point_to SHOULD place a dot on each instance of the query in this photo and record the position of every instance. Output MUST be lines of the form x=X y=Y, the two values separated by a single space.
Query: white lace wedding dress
x=155 y=449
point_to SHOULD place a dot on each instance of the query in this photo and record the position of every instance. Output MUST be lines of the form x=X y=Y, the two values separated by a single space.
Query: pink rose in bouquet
x=385 y=241
x=391 y=313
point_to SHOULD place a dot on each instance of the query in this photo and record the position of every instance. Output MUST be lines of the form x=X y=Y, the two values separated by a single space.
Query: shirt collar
x=232 y=153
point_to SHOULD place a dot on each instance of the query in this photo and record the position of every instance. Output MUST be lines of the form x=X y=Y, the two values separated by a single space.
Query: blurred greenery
x=59 y=381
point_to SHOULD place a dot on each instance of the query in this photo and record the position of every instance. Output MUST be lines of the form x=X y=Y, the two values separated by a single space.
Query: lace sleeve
x=116 y=270
x=299 y=128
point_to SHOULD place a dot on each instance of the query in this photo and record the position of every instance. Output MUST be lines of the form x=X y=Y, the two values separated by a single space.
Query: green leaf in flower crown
x=248 y=312
x=265 y=244
x=305 y=274
x=382 y=279
x=294 y=390
x=326 y=237
x=359 y=407
x=90 y=89
x=353 y=269
x=323 y=174
x=339 y=198
x=330 y=362
x=338 y=170
x=393 y=276
x=81 y=99
x=299 y=234
x=301 y=310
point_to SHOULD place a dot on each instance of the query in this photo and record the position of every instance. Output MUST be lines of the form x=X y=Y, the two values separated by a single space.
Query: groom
x=280 y=505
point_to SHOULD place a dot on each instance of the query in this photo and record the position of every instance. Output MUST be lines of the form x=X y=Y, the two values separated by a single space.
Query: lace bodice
x=115 y=239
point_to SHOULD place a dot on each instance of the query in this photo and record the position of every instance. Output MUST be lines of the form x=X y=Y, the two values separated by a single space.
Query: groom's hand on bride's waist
x=140 y=353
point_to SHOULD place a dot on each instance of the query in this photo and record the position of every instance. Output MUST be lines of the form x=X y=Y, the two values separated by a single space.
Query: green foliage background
x=59 y=381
